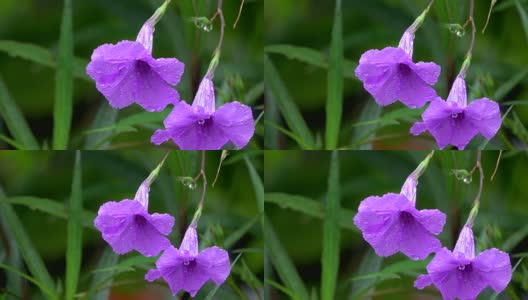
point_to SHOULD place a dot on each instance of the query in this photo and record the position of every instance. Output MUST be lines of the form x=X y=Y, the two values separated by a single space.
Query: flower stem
x=476 y=202
x=420 y=19
x=216 y=54
x=198 y=212
x=469 y=53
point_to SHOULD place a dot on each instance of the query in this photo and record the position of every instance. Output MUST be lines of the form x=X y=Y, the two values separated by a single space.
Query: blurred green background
x=298 y=222
x=238 y=77
x=230 y=206
x=498 y=71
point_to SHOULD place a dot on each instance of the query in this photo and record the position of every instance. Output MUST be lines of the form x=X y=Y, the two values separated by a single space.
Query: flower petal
x=123 y=51
x=432 y=219
x=427 y=71
x=162 y=222
x=495 y=267
x=190 y=241
x=485 y=116
x=422 y=281
x=413 y=91
x=215 y=263
x=236 y=121
x=152 y=275
x=169 y=69
x=205 y=96
x=416 y=240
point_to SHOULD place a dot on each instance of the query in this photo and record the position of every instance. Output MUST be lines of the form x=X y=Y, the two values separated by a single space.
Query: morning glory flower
x=126 y=73
x=202 y=127
x=188 y=269
x=456 y=123
x=391 y=223
x=390 y=74
x=459 y=274
x=126 y=225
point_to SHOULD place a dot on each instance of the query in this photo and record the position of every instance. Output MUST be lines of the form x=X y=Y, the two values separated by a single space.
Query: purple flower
x=391 y=223
x=126 y=225
x=459 y=274
x=390 y=75
x=200 y=127
x=126 y=73
x=454 y=122
x=187 y=269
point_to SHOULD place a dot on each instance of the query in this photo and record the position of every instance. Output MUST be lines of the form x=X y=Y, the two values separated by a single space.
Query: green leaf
x=282 y=262
x=63 y=107
x=524 y=17
x=371 y=111
x=15 y=121
x=370 y=263
x=330 y=256
x=40 y=285
x=74 y=242
x=515 y=239
x=334 y=99
x=108 y=259
x=485 y=143
x=41 y=56
x=393 y=117
x=48 y=206
x=254 y=93
x=105 y=117
x=309 y=207
x=31 y=257
x=12 y=257
x=311 y=57
x=392 y=270
x=258 y=187
x=517 y=127
x=287 y=106
x=240 y=232
x=506 y=87
x=288 y=133
x=282 y=288
x=129 y=264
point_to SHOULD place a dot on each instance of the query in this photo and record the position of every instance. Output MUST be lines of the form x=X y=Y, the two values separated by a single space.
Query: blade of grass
x=258 y=187
x=282 y=263
x=282 y=288
x=74 y=243
x=108 y=259
x=48 y=206
x=524 y=17
x=271 y=135
x=506 y=87
x=15 y=121
x=287 y=106
x=237 y=234
x=371 y=263
x=289 y=134
x=371 y=111
x=13 y=281
x=42 y=56
x=331 y=236
x=309 y=207
x=62 y=111
x=49 y=294
x=105 y=117
x=311 y=57
x=34 y=262
x=334 y=99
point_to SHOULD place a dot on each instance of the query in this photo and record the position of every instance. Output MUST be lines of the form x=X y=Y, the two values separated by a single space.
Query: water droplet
x=188 y=182
x=203 y=23
x=456 y=29
x=467 y=180
x=207 y=27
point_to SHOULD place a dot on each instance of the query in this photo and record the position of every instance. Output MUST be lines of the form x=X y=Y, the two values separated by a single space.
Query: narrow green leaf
x=48 y=206
x=254 y=93
x=30 y=255
x=282 y=262
x=392 y=270
x=287 y=106
x=334 y=99
x=49 y=294
x=393 y=117
x=517 y=127
x=331 y=236
x=371 y=263
x=371 y=111
x=272 y=116
x=524 y=17
x=129 y=264
x=311 y=57
x=63 y=107
x=105 y=117
x=507 y=86
x=108 y=259
x=485 y=143
x=42 y=56
x=288 y=133
x=515 y=239
x=240 y=232
x=309 y=207
x=15 y=121
x=282 y=288
x=74 y=243
x=258 y=187
x=12 y=257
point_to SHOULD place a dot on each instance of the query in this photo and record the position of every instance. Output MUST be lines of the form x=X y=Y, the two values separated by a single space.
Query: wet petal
x=169 y=69
x=205 y=96
x=236 y=121
x=214 y=262
x=427 y=71
x=495 y=268
x=432 y=219
x=422 y=281
x=485 y=116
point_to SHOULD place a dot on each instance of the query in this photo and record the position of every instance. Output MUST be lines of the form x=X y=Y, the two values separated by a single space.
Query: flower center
x=465 y=268
x=404 y=69
x=406 y=217
x=201 y=122
x=142 y=66
x=454 y=116
x=140 y=220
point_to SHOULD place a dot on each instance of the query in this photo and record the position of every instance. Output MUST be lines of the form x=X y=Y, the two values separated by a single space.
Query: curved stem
x=198 y=212
x=476 y=202
x=469 y=53
x=216 y=53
